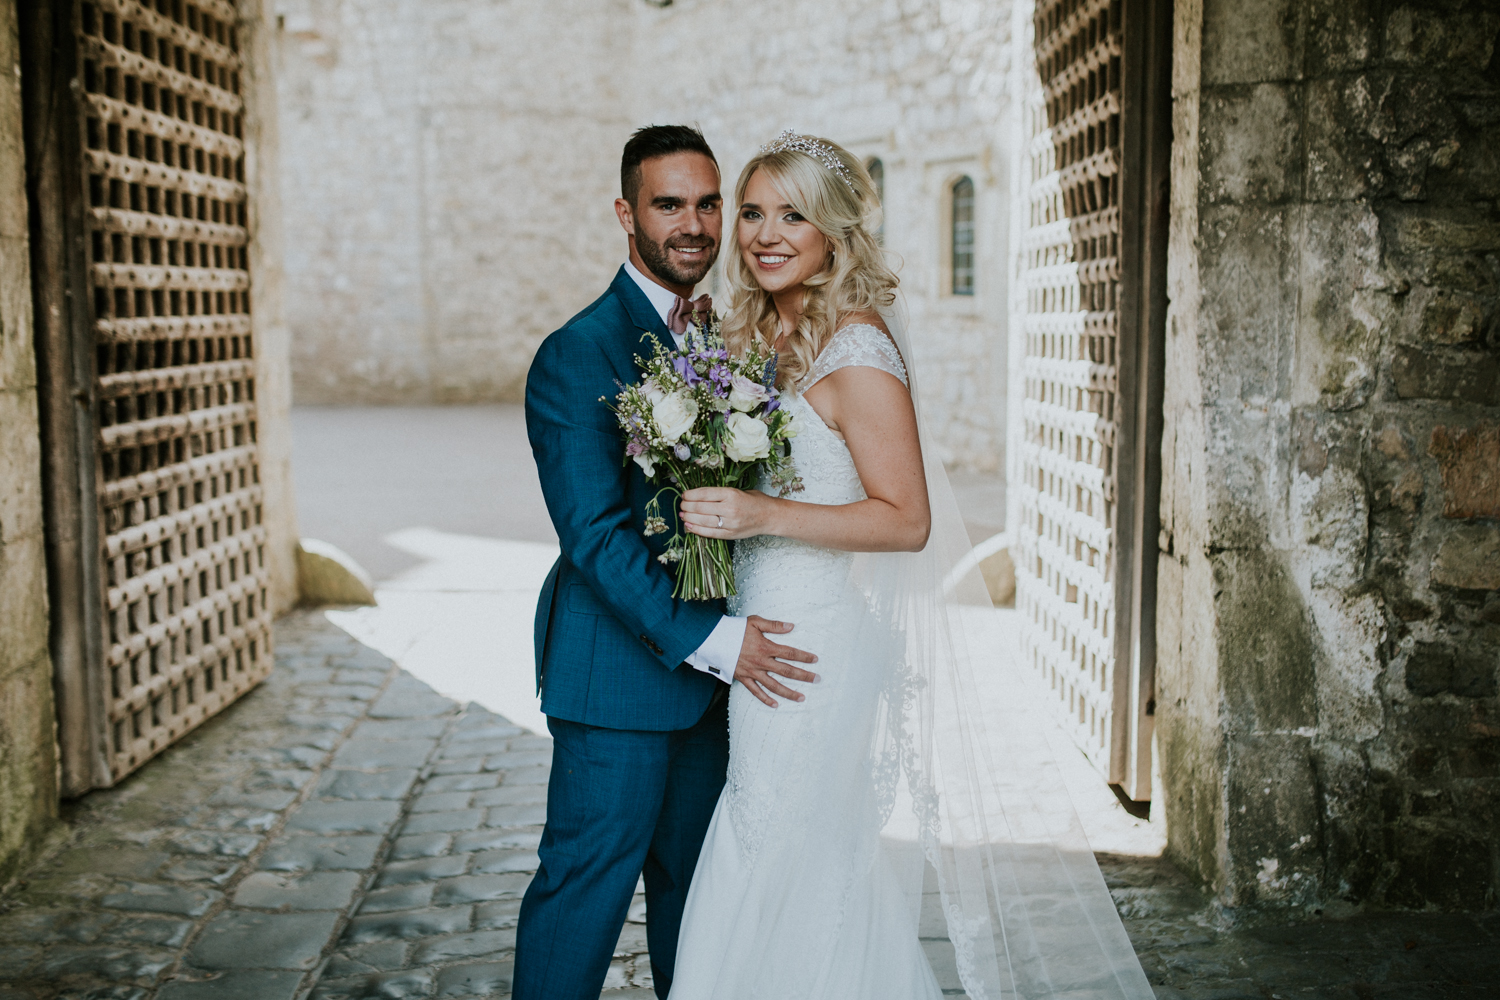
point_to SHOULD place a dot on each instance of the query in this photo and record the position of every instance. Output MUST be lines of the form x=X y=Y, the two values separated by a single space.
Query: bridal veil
x=989 y=852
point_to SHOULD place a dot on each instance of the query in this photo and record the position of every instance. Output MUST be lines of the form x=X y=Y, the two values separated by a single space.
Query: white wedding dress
x=793 y=896
x=874 y=832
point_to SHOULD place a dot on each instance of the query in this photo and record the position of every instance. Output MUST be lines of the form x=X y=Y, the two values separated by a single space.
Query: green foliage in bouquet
x=699 y=417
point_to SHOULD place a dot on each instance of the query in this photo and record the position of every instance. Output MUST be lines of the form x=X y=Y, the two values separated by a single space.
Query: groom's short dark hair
x=651 y=142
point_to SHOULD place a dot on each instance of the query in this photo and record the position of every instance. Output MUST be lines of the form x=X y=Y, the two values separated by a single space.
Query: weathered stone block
x=1469 y=459
x=408 y=924
x=162 y=899
x=1273 y=821
x=1439 y=373
x=307 y=891
x=1437 y=668
x=424 y=869
x=1444 y=316
x=513 y=795
x=1340 y=35
x=1434 y=37
x=233 y=984
x=499 y=913
x=464 y=946
x=422 y=845
x=477 y=888
x=377 y=956
x=395 y=985
x=1442 y=868
x=441 y=802
x=345 y=817
x=1252 y=146
x=238 y=939
x=1268 y=651
x=413 y=896
x=115 y=964
x=1249 y=42
x=307 y=852
x=346 y=784
x=1469 y=558
x=474 y=979
x=364 y=753
x=444 y=822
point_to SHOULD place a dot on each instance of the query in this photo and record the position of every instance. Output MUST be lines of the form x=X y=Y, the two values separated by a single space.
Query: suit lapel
x=645 y=330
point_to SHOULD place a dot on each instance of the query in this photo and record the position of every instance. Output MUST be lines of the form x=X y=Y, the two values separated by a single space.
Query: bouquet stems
x=706 y=570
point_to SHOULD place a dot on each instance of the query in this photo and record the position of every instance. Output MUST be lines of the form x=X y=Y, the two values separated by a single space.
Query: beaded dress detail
x=794 y=895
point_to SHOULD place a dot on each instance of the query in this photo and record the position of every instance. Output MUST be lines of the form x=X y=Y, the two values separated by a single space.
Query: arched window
x=962 y=250
x=877 y=174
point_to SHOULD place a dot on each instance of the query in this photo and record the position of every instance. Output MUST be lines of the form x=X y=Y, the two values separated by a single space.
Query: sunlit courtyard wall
x=451 y=167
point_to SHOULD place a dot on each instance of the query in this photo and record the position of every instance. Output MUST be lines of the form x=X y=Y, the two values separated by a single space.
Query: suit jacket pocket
x=583 y=601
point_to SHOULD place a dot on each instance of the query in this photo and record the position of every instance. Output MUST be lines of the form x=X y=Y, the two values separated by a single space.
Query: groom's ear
x=626 y=214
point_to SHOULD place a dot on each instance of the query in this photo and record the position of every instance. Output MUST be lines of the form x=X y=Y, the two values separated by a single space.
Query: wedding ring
x=721 y=519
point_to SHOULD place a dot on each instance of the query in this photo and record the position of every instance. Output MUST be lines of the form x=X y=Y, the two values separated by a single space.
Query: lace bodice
x=768 y=562
x=856 y=345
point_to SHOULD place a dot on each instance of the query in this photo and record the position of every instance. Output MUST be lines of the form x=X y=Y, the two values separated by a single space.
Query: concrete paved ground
x=365 y=472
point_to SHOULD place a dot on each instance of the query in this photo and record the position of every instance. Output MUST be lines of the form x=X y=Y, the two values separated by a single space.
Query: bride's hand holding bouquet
x=700 y=418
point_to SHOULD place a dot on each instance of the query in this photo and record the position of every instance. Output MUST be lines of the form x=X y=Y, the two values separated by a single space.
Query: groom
x=634 y=683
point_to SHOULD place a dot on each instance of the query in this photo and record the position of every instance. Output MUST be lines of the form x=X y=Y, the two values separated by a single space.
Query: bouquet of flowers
x=698 y=418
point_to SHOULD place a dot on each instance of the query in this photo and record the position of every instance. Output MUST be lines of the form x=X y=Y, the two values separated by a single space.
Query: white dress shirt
x=721 y=650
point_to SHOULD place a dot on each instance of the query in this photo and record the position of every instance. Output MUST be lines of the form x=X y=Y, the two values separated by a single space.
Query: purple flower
x=634 y=447
x=720 y=374
x=683 y=452
x=768 y=377
x=771 y=407
x=685 y=368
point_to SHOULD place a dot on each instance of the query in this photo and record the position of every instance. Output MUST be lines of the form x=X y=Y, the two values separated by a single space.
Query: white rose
x=674 y=415
x=652 y=392
x=647 y=466
x=745 y=395
x=748 y=439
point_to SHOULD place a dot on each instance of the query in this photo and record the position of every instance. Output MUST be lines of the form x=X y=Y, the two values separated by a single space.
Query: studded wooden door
x=1087 y=493
x=182 y=580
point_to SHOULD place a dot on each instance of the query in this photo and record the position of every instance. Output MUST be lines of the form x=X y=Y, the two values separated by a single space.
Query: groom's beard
x=659 y=261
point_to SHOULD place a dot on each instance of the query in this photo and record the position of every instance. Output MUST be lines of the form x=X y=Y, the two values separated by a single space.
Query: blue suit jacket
x=610 y=638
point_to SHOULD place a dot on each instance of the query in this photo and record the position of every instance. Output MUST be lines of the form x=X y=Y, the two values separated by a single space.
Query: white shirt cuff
x=721 y=650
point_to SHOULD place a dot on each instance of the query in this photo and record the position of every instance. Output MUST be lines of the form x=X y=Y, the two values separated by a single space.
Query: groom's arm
x=580 y=460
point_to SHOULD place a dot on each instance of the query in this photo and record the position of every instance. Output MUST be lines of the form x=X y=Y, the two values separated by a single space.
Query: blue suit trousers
x=621 y=803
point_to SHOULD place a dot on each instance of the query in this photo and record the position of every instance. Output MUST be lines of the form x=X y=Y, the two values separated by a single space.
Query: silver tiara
x=820 y=151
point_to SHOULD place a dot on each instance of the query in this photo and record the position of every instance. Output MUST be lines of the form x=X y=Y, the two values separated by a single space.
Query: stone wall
x=28 y=754
x=273 y=336
x=446 y=198
x=1330 y=575
x=451 y=168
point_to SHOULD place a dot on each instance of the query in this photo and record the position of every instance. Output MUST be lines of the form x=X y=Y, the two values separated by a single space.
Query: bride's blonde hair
x=856 y=279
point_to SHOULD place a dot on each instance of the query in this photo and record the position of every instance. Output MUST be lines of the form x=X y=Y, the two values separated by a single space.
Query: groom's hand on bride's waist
x=762 y=658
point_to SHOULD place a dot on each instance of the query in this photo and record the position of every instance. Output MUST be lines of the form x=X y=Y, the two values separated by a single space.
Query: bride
x=866 y=834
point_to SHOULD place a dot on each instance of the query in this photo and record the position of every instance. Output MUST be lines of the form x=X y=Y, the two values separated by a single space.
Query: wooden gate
x=136 y=152
x=1090 y=306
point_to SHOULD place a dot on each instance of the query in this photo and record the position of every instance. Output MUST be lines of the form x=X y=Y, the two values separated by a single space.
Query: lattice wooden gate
x=162 y=333
x=1087 y=286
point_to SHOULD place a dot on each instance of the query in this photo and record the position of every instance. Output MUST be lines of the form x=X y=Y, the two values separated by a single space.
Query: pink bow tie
x=684 y=309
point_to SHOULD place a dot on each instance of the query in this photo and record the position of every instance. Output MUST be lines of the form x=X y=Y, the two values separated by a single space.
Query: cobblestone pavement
x=347 y=833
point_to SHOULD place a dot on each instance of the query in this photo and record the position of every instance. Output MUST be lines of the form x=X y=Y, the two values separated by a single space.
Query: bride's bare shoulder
x=868 y=317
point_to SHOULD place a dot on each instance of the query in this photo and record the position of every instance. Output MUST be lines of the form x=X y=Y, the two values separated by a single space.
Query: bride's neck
x=789 y=305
